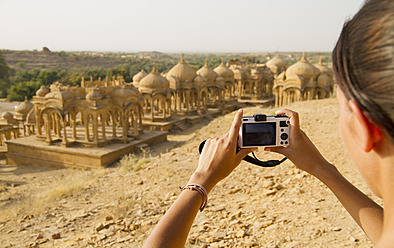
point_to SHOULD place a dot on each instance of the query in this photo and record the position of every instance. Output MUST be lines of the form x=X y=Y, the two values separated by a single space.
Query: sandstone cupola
x=302 y=68
x=223 y=71
x=182 y=71
x=276 y=64
x=153 y=82
x=137 y=77
x=207 y=72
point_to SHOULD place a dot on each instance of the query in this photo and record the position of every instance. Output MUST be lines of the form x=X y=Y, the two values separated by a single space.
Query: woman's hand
x=219 y=158
x=301 y=151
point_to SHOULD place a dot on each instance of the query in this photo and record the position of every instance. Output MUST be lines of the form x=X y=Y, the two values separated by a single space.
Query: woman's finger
x=294 y=119
x=234 y=131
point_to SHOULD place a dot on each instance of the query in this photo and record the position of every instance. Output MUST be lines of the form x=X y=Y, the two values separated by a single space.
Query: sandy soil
x=120 y=205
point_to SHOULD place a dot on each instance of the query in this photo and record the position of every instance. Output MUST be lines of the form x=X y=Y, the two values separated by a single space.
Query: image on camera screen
x=259 y=134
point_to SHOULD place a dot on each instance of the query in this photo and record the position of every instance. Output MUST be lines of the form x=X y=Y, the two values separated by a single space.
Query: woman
x=363 y=61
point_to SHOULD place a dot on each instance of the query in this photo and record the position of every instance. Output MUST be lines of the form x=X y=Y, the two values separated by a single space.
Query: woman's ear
x=369 y=133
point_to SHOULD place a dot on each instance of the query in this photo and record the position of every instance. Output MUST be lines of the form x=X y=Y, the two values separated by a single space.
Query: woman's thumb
x=278 y=149
x=243 y=152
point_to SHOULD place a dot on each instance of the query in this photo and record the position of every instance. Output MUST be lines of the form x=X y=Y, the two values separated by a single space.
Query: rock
x=234 y=222
x=108 y=223
x=99 y=227
x=267 y=184
x=56 y=236
x=233 y=191
x=236 y=215
x=121 y=240
x=28 y=217
x=220 y=235
x=108 y=217
x=240 y=234
x=192 y=239
x=269 y=192
x=101 y=237
x=249 y=243
x=39 y=236
x=336 y=229
x=353 y=239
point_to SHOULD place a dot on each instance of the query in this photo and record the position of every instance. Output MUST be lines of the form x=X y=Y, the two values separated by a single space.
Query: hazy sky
x=174 y=25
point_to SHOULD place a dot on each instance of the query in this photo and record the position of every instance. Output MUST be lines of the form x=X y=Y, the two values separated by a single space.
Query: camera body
x=262 y=130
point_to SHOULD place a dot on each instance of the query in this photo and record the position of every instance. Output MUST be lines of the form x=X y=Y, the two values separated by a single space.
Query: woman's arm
x=367 y=214
x=218 y=159
x=305 y=156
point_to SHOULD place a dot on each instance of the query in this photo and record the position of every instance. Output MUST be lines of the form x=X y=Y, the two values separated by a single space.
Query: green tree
x=47 y=77
x=4 y=76
x=115 y=72
x=23 y=76
x=18 y=91
x=95 y=73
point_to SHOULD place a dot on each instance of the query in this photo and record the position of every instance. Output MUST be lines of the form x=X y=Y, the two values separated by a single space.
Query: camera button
x=284 y=136
x=281 y=142
x=282 y=130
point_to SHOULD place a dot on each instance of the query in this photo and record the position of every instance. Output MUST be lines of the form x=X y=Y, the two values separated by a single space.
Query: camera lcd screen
x=259 y=134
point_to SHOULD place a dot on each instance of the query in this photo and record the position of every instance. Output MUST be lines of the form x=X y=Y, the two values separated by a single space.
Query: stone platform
x=32 y=152
x=258 y=102
x=179 y=121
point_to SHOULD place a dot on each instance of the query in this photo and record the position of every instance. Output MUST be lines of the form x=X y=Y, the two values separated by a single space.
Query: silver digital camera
x=262 y=130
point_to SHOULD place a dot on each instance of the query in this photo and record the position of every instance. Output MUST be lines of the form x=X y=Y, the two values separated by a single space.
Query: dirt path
x=119 y=206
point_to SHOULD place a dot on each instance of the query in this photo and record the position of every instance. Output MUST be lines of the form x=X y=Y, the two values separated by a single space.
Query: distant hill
x=27 y=60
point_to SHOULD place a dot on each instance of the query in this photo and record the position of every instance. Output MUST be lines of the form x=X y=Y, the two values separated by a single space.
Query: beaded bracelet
x=200 y=189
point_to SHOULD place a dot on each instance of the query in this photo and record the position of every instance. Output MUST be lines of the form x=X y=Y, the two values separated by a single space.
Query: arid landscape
x=119 y=206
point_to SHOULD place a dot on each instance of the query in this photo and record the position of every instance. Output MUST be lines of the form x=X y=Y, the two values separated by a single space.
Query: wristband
x=200 y=189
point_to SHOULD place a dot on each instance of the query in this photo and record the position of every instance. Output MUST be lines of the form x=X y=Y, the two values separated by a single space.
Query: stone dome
x=7 y=116
x=276 y=63
x=302 y=68
x=200 y=80
x=42 y=91
x=207 y=72
x=140 y=75
x=238 y=73
x=24 y=107
x=324 y=69
x=153 y=82
x=62 y=95
x=125 y=92
x=31 y=117
x=182 y=71
x=94 y=95
x=223 y=71
x=220 y=81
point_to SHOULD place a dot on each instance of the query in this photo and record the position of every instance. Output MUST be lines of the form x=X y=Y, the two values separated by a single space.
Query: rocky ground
x=120 y=205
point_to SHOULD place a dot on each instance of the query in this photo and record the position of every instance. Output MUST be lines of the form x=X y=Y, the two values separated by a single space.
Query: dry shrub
x=131 y=162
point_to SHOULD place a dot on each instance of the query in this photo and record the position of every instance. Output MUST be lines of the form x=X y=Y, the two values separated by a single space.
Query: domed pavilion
x=326 y=78
x=186 y=85
x=254 y=81
x=298 y=82
x=92 y=115
x=156 y=93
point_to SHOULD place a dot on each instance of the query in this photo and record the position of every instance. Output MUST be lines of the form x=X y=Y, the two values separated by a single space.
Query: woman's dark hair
x=363 y=62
